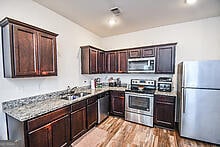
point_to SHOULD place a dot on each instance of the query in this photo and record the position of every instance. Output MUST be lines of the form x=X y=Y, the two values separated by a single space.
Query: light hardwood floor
x=121 y=133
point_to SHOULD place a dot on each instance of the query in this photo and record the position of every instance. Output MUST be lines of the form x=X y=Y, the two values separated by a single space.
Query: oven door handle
x=138 y=95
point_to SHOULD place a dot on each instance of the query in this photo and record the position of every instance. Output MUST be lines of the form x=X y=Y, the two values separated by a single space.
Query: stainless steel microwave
x=141 y=65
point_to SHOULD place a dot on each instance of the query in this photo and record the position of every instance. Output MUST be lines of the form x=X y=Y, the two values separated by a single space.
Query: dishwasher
x=103 y=106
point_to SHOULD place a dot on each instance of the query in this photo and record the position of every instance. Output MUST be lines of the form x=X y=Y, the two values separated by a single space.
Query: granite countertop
x=31 y=110
x=172 y=93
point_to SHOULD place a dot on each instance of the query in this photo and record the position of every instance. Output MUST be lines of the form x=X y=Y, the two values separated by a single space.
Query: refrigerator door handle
x=184 y=101
x=183 y=76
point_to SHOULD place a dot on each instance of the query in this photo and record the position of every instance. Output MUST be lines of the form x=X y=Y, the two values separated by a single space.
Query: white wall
x=197 y=40
x=71 y=37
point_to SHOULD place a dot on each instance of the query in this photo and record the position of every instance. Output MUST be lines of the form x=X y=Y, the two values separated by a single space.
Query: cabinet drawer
x=78 y=105
x=163 y=98
x=47 y=118
x=91 y=100
x=134 y=53
x=148 y=52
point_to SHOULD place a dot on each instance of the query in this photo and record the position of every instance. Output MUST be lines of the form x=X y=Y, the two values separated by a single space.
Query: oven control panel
x=143 y=82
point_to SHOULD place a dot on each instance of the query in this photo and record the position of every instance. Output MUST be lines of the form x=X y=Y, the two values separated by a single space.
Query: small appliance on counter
x=118 y=82
x=165 y=84
x=112 y=82
x=98 y=83
x=92 y=82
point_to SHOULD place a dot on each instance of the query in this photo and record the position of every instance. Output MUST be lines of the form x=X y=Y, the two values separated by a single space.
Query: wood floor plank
x=121 y=133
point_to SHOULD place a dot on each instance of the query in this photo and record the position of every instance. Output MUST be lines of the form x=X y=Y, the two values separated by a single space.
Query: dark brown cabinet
x=55 y=134
x=98 y=61
x=122 y=61
x=134 y=53
x=92 y=60
x=40 y=137
x=92 y=112
x=49 y=130
x=27 y=50
x=101 y=62
x=148 y=52
x=117 y=103
x=47 y=54
x=164 y=111
x=165 y=59
x=78 y=119
x=111 y=62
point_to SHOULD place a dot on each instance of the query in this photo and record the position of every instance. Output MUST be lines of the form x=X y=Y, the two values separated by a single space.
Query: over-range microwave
x=141 y=65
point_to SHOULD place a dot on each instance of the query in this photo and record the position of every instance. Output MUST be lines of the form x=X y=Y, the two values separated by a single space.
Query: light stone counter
x=25 y=109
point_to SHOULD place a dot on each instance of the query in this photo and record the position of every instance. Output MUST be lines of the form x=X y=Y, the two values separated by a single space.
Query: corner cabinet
x=165 y=59
x=92 y=60
x=28 y=51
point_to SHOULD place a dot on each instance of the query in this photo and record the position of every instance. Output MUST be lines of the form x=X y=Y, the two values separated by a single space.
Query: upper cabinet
x=116 y=61
x=101 y=62
x=28 y=51
x=148 y=52
x=122 y=61
x=165 y=59
x=134 y=53
x=92 y=60
x=111 y=62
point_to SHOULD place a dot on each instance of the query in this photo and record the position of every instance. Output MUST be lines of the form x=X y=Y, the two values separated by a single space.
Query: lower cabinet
x=40 y=137
x=78 y=119
x=54 y=134
x=164 y=111
x=92 y=112
x=117 y=103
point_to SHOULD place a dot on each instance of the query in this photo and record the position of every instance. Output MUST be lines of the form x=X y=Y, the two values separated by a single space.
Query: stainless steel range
x=139 y=101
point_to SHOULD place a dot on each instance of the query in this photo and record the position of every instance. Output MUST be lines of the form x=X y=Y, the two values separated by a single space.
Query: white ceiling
x=135 y=14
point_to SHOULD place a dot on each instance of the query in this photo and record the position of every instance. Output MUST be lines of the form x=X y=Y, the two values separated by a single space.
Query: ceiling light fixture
x=190 y=2
x=114 y=18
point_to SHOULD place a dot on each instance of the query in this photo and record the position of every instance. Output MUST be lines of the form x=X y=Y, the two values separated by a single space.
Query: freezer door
x=201 y=74
x=200 y=115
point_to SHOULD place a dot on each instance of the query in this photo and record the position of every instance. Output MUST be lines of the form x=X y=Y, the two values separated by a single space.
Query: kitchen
x=196 y=40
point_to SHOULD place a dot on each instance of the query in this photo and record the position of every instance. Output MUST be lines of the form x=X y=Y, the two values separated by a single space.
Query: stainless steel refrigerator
x=199 y=100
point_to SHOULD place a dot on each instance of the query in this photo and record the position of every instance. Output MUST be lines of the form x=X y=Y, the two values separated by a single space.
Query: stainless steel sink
x=75 y=95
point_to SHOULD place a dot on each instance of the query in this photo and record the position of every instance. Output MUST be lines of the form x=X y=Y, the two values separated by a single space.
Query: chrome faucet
x=71 y=90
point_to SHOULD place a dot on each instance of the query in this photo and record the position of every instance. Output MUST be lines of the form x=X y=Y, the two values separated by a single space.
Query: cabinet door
x=164 y=110
x=48 y=54
x=101 y=62
x=61 y=132
x=122 y=61
x=78 y=123
x=134 y=53
x=40 y=137
x=117 y=103
x=92 y=116
x=148 y=52
x=111 y=62
x=165 y=59
x=25 y=52
x=93 y=61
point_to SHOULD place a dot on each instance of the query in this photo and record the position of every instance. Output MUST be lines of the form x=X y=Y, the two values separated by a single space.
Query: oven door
x=139 y=103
